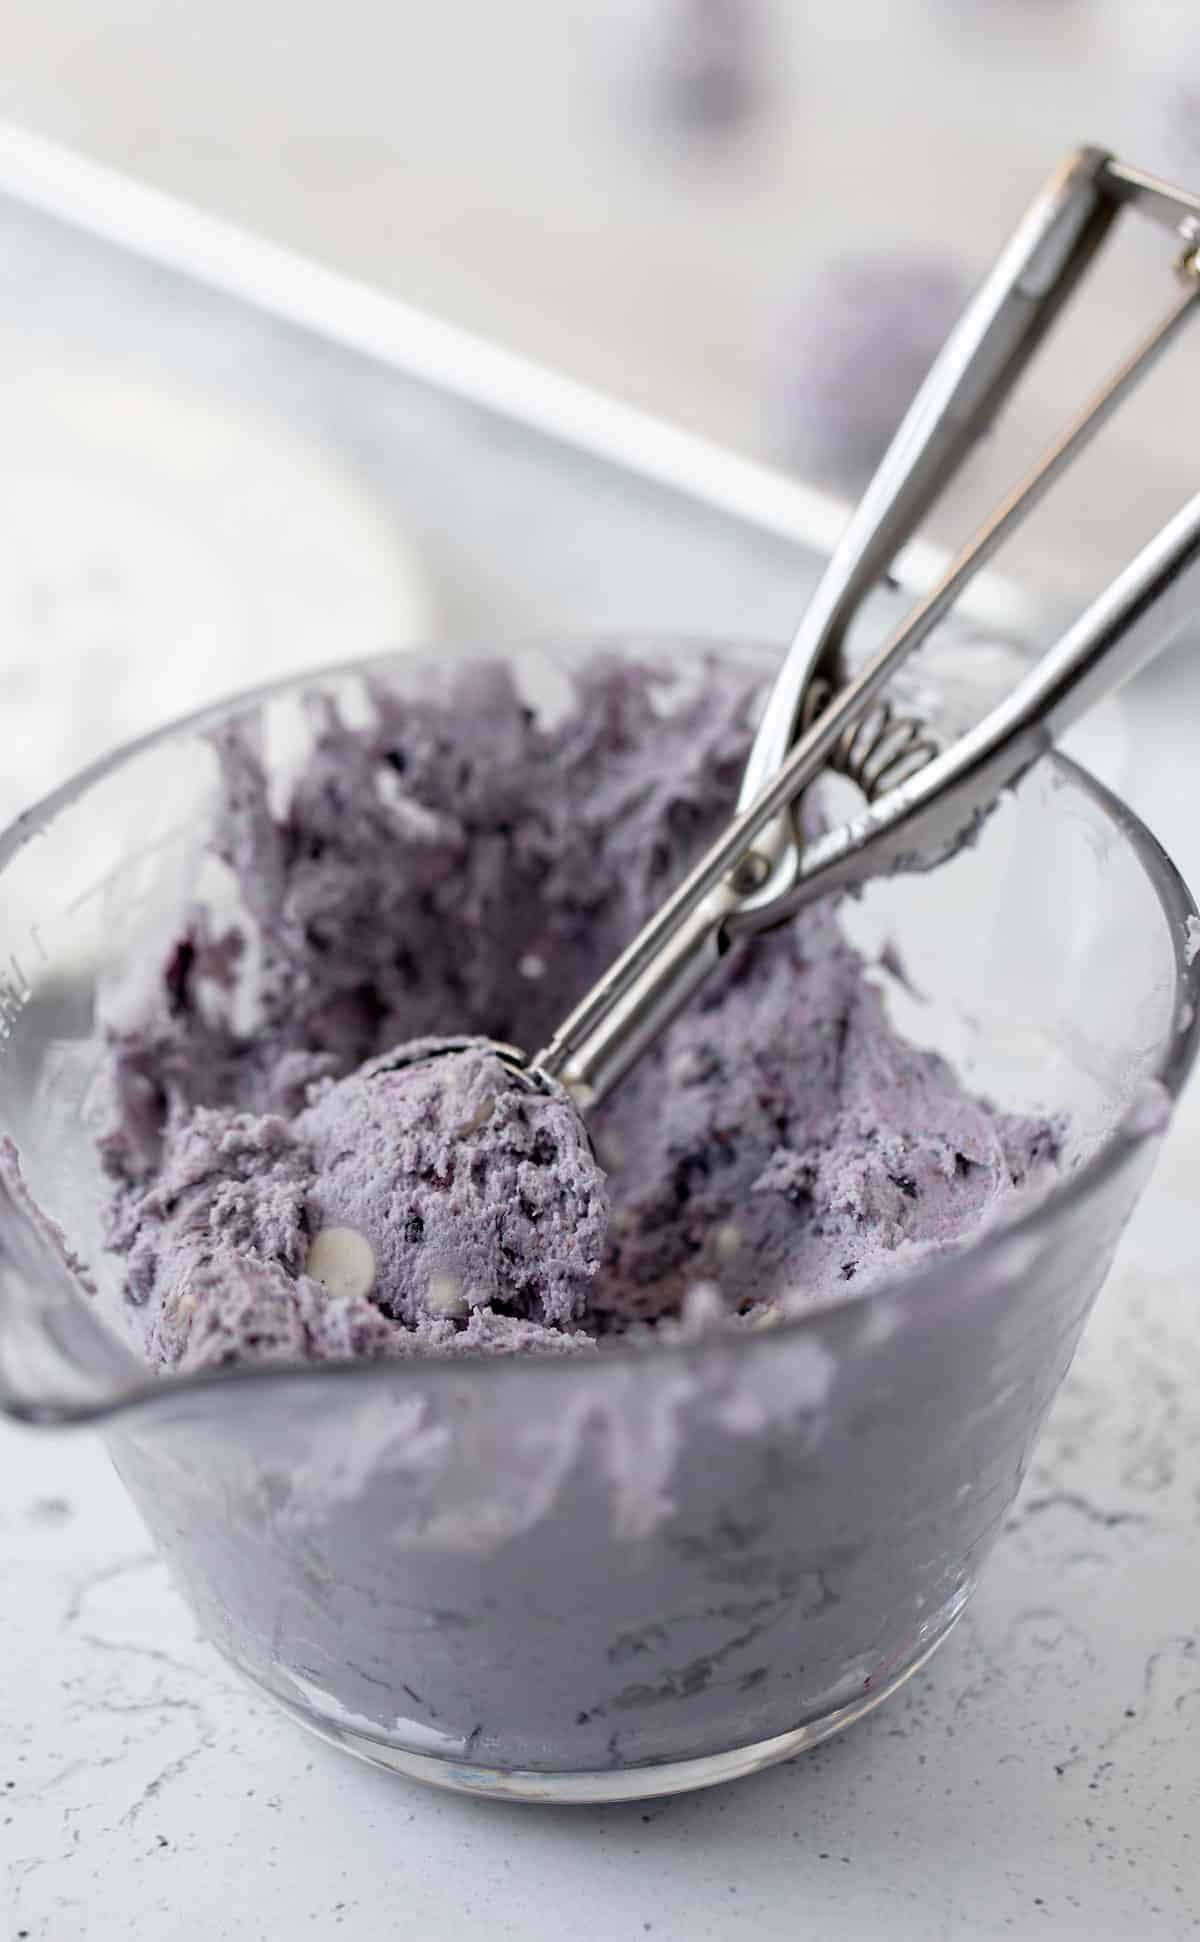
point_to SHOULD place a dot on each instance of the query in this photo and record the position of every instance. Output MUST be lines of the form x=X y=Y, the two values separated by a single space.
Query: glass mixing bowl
x=602 y=1577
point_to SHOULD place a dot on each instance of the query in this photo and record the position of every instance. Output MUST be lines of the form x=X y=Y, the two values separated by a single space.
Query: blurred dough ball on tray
x=849 y=353
x=692 y=63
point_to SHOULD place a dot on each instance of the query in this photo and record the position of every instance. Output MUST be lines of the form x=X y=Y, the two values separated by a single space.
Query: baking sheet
x=250 y=463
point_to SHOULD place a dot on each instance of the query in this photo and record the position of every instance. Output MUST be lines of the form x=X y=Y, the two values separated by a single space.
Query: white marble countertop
x=1043 y=1774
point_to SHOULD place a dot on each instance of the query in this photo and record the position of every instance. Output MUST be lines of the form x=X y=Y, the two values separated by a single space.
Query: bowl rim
x=146 y=1390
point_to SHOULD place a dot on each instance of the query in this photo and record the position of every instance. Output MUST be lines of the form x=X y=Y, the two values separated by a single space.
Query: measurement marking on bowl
x=15 y=993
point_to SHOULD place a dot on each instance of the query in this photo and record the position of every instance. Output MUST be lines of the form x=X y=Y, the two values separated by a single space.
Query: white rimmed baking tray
x=252 y=461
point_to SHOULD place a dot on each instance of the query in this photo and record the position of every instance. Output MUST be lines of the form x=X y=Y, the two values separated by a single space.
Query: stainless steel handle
x=745 y=879
x=979 y=366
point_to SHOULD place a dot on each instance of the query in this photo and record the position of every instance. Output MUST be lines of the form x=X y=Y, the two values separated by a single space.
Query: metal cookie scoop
x=921 y=804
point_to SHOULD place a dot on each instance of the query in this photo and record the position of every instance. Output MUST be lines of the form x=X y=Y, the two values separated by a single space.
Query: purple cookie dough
x=695 y=62
x=849 y=355
x=454 y=1173
x=457 y=1173
x=458 y=866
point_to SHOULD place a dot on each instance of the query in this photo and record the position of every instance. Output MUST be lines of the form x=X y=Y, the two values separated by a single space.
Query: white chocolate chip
x=443 y=1296
x=703 y=1306
x=342 y=1261
x=479 y=1117
x=532 y=966
x=728 y=1240
x=766 y=1317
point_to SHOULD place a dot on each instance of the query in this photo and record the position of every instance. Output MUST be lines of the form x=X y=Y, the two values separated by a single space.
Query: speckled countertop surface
x=1043 y=1774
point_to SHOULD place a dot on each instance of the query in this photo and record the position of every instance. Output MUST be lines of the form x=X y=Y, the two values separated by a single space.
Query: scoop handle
x=746 y=877
x=977 y=369
x=756 y=860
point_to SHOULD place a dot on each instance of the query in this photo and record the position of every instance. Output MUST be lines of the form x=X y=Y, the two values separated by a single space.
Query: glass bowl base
x=581 y=1788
